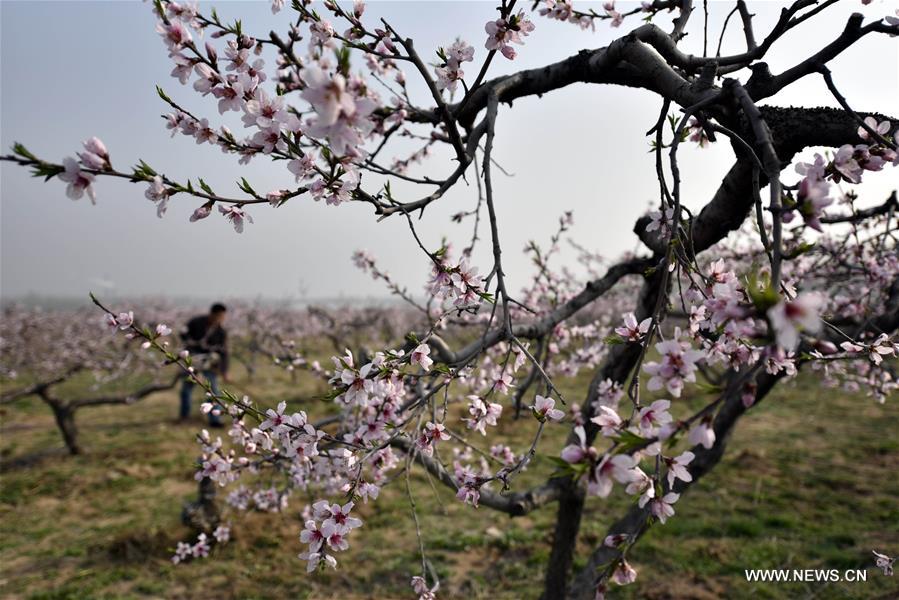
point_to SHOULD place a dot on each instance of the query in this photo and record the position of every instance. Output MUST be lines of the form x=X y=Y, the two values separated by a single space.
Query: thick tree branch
x=128 y=398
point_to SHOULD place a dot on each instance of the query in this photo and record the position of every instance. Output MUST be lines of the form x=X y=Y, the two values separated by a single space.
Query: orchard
x=790 y=268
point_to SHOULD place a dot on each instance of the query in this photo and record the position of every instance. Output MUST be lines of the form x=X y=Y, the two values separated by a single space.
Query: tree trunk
x=65 y=420
x=202 y=515
x=618 y=365
x=568 y=521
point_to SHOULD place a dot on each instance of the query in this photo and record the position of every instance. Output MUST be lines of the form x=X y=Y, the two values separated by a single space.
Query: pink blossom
x=420 y=356
x=697 y=133
x=503 y=32
x=182 y=552
x=222 y=534
x=301 y=167
x=653 y=416
x=201 y=548
x=661 y=221
x=276 y=420
x=183 y=67
x=95 y=155
x=469 y=493
x=79 y=181
x=327 y=95
x=544 y=409
x=125 y=320
x=632 y=331
x=560 y=10
x=337 y=515
x=482 y=414
x=678 y=365
x=624 y=573
x=702 y=435
x=459 y=52
x=201 y=213
x=420 y=587
x=208 y=79
x=617 y=17
x=263 y=111
x=429 y=436
x=881 y=347
x=619 y=467
x=816 y=170
x=450 y=72
x=269 y=139
x=881 y=128
x=158 y=193
x=608 y=421
x=174 y=34
x=314 y=559
x=236 y=216
x=811 y=199
x=276 y=197
x=790 y=317
x=576 y=453
x=662 y=508
x=504 y=383
x=322 y=31
x=677 y=468
x=231 y=94
x=337 y=191
x=884 y=562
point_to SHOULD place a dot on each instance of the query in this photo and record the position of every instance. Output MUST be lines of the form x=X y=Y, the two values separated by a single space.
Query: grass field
x=811 y=480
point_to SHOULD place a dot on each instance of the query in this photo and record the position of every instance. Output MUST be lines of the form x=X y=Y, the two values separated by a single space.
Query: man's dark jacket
x=200 y=337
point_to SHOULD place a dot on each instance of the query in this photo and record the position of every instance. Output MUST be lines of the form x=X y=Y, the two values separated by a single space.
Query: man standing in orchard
x=206 y=339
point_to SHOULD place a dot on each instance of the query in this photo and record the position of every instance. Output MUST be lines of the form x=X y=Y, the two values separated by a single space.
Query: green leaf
x=343 y=60
x=487 y=297
x=163 y=95
x=557 y=460
x=441 y=368
x=206 y=187
x=245 y=186
x=46 y=170
x=628 y=440
x=22 y=151
x=761 y=292
x=143 y=171
x=564 y=468
x=708 y=387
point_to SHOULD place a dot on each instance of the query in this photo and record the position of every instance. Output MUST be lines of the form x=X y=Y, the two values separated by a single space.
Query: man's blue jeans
x=187 y=389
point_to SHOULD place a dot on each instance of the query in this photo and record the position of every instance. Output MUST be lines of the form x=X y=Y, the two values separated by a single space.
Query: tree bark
x=617 y=367
x=568 y=523
x=65 y=420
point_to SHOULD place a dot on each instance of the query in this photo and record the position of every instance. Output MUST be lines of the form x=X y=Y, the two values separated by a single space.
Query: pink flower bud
x=96 y=146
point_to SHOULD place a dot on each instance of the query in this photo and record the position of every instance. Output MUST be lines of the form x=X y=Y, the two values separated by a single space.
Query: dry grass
x=809 y=482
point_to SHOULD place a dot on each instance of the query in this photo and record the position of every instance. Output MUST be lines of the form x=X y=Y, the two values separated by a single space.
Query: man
x=206 y=340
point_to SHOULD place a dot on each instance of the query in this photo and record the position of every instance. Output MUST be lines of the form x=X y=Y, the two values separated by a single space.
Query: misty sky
x=75 y=69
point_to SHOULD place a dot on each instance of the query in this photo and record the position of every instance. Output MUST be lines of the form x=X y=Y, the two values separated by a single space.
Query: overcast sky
x=71 y=70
